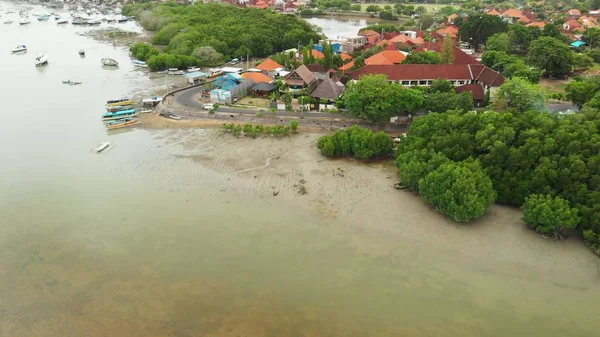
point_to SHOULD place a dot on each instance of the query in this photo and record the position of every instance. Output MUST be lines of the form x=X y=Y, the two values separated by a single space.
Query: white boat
x=19 y=48
x=41 y=60
x=62 y=21
x=101 y=147
x=24 y=21
x=109 y=62
x=192 y=69
x=175 y=71
x=140 y=64
x=7 y=21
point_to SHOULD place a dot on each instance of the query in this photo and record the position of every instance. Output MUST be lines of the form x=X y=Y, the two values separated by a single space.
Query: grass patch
x=554 y=86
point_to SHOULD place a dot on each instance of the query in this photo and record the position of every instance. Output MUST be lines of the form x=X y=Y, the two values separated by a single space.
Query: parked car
x=208 y=106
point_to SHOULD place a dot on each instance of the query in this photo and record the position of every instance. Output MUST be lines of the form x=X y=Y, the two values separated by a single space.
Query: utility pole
x=247 y=60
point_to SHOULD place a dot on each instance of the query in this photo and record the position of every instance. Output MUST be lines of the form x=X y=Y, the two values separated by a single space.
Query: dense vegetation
x=522 y=154
x=356 y=141
x=230 y=30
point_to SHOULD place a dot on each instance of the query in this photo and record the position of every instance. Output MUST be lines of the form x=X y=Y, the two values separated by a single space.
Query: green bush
x=357 y=141
x=294 y=126
x=547 y=215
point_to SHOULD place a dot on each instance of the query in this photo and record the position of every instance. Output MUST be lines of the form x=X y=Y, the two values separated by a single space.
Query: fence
x=240 y=90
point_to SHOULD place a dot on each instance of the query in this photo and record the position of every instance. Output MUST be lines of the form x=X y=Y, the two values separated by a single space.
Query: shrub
x=357 y=141
x=549 y=215
x=294 y=126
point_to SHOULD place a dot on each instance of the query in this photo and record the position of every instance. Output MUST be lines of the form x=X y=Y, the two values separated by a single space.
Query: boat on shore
x=122 y=19
x=121 y=123
x=101 y=147
x=43 y=17
x=62 y=21
x=8 y=21
x=69 y=82
x=140 y=64
x=19 y=48
x=94 y=22
x=116 y=108
x=41 y=60
x=175 y=71
x=109 y=62
x=119 y=102
x=110 y=116
x=24 y=21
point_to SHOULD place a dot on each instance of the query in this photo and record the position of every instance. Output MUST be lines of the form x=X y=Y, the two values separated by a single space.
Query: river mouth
x=185 y=231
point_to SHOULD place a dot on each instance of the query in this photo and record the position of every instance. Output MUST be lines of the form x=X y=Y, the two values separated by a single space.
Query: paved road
x=188 y=99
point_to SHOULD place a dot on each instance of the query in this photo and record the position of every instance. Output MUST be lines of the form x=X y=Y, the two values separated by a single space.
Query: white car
x=208 y=106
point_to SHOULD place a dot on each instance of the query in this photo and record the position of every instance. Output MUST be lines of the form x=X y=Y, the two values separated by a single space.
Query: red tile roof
x=403 y=72
x=386 y=57
x=367 y=32
x=257 y=77
x=540 y=24
x=345 y=57
x=460 y=57
x=269 y=65
x=475 y=89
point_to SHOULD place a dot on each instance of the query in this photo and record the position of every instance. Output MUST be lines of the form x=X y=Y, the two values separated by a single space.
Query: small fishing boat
x=79 y=22
x=69 y=82
x=8 y=21
x=122 y=123
x=24 y=21
x=140 y=64
x=116 y=108
x=175 y=71
x=109 y=62
x=122 y=19
x=192 y=69
x=119 y=102
x=43 y=17
x=110 y=19
x=57 y=17
x=62 y=21
x=41 y=60
x=101 y=147
x=109 y=116
x=19 y=48
x=94 y=22
x=81 y=52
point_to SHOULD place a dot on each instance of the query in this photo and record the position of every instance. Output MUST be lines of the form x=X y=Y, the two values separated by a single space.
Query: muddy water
x=169 y=234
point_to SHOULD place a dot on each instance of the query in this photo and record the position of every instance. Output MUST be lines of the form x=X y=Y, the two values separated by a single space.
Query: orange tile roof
x=417 y=40
x=345 y=57
x=262 y=6
x=367 y=32
x=317 y=54
x=269 y=65
x=493 y=12
x=448 y=31
x=512 y=13
x=257 y=77
x=382 y=42
x=372 y=38
x=524 y=19
x=452 y=16
x=574 y=12
x=399 y=38
x=386 y=57
x=347 y=66
x=540 y=24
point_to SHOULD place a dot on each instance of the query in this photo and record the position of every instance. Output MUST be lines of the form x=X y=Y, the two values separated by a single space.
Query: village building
x=300 y=79
x=326 y=93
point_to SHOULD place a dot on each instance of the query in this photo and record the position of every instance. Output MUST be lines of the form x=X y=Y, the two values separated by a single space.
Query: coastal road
x=188 y=99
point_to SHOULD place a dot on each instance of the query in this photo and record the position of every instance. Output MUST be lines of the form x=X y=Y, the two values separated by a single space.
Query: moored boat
x=8 y=21
x=19 y=48
x=62 y=21
x=116 y=108
x=140 y=64
x=109 y=62
x=175 y=71
x=24 y=21
x=119 y=102
x=69 y=82
x=43 y=17
x=101 y=147
x=81 y=52
x=122 y=19
x=41 y=60
x=122 y=123
x=109 y=116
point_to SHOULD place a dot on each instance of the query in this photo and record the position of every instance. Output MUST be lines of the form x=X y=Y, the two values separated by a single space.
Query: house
x=571 y=25
x=511 y=15
x=346 y=67
x=368 y=32
x=476 y=90
x=460 y=57
x=386 y=57
x=345 y=57
x=450 y=19
x=257 y=77
x=269 y=65
x=539 y=24
x=195 y=77
x=350 y=44
x=574 y=13
x=425 y=74
x=262 y=89
x=524 y=20
x=449 y=31
x=329 y=91
x=301 y=79
x=317 y=54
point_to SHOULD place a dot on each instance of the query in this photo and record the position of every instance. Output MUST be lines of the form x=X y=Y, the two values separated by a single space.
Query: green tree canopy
x=445 y=101
x=580 y=92
x=424 y=57
x=461 y=190
x=208 y=56
x=479 y=27
x=447 y=52
x=548 y=215
x=440 y=85
x=375 y=99
x=499 y=42
x=551 y=56
x=582 y=61
x=520 y=95
x=356 y=141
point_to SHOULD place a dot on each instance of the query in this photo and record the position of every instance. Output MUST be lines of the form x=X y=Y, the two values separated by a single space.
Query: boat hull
x=114 y=118
x=122 y=125
x=118 y=108
x=119 y=103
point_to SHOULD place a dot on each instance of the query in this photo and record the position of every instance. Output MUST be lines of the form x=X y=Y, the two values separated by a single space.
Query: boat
x=101 y=147
x=109 y=116
x=82 y=52
x=110 y=19
x=24 y=21
x=79 y=22
x=62 y=21
x=116 y=108
x=41 y=60
x=118 y=102
x=192 y=69
x=122 y=19
x=69 y=82
x=19 y=48
x=175 y=71
x=57 y=17
x=140 y=64
x=8 y=21
x=109 y=62
x=94 y=22
x=122 y=123
x=43 y=17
